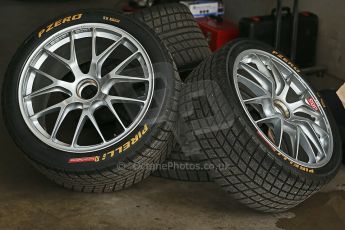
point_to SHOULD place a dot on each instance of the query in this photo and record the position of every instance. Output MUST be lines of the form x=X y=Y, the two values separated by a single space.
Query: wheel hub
x=281 y=108
x=87 y=89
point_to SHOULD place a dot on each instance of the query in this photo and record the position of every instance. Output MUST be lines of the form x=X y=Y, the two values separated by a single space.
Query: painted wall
x=331 y=41
x=236 y=9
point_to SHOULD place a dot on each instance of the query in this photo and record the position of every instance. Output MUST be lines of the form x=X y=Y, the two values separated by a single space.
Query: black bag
x=263 y=28
x=308 y=27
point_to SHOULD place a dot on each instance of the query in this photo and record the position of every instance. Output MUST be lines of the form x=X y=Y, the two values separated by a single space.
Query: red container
x=217 y=32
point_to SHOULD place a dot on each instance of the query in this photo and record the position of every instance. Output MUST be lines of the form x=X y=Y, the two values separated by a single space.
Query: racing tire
x=220 y=105
x=116 y=107
x=180 y=167
x=177 y=28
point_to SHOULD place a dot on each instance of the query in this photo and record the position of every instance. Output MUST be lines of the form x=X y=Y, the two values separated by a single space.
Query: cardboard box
x=341 y=94
x=202 y=8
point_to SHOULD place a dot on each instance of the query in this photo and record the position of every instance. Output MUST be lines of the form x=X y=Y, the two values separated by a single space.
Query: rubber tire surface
x=253 y=173
x=177 y=28
x=183 y=168
x=104 y=175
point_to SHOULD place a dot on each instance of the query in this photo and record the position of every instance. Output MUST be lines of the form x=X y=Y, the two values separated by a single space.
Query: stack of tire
x=95 y=99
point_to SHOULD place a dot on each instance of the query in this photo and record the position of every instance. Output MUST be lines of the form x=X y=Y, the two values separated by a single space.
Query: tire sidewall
x=41 y=153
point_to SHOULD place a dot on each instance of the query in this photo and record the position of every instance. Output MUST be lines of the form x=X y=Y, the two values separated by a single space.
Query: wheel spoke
x=50 y=109
x=319 y=130
x=55 y=86
x=307 y=110
x=71 y=63
x=295 y=105
x=323 y=133
x=48 y=89
x=73 y=53
x=98 y=60
x=305 y=144
x=125 y=99
x=265 y=81
x=128 y=79
x=278 y=127
x=286 y=87
x=64 y=110
x=258 y=100
x=302 y=107
x=111 y=108
x=268 y=119
x=261 y=66
x=278 y=132
x=111 y=80
x=94 y=122
x=93 y=44
x=57 y=57
x=106 y=53
x=48 y=76
x=79 y=128
x=296 y=144
x=254 y=87
x=310 y=132
x=279 y=79
x=125 y=62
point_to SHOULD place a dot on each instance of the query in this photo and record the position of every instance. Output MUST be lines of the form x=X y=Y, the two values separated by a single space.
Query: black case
x=263 y=28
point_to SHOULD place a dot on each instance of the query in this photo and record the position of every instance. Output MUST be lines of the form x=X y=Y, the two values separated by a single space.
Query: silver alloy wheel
x=85 y=91
x=283 y=108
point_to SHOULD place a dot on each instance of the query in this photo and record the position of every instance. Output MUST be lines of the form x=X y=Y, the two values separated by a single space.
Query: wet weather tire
x=248 y=163
x=177 y=28
x=91 y=99
x=183 y=168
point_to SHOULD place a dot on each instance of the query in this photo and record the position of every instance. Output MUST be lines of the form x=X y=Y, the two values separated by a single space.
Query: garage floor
x=29 y=201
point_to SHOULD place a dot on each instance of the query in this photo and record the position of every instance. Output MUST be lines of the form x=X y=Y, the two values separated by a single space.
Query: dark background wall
x=331 y=41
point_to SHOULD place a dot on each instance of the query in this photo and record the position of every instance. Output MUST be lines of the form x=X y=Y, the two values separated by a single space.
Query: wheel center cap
x=87 y=89
x=281 y=108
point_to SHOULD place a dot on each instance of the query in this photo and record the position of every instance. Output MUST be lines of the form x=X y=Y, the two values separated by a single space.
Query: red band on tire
x=267 y=142
x=81 y=160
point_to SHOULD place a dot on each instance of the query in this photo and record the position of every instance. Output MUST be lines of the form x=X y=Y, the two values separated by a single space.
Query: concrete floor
x=29 y=201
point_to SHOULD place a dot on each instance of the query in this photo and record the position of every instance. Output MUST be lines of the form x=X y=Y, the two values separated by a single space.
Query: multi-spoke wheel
x=89 y=94
x=283 y=108
x=87 y=90
x=271 y=140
